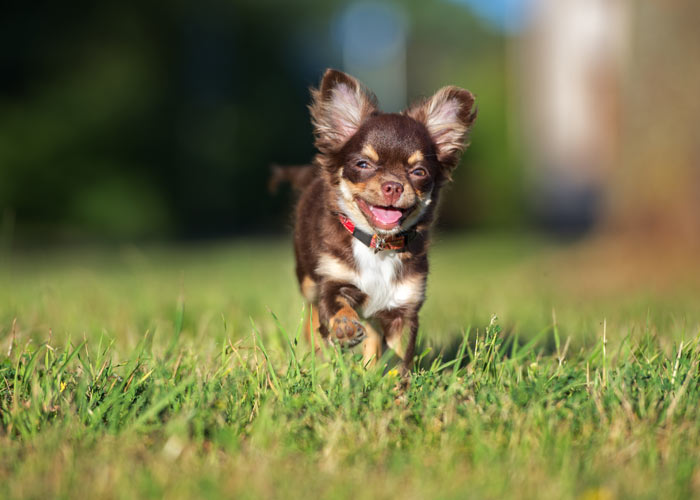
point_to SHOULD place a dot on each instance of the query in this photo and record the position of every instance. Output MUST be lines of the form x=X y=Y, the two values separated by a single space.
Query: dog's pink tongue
x=386 y=215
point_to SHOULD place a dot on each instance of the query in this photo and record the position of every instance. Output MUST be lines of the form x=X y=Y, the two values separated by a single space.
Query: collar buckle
x=378 y=243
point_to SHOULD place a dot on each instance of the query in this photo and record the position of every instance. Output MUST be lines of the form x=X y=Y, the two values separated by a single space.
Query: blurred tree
x=127 y=121
x=124 y=121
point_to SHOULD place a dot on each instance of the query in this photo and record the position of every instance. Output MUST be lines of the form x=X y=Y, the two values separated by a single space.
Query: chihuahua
x=365 y=211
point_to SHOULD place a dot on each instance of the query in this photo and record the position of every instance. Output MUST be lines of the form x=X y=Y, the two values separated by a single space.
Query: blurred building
x=570 y=66
x=606 y=94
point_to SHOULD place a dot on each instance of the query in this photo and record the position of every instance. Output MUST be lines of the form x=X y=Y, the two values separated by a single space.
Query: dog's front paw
x=345 y=328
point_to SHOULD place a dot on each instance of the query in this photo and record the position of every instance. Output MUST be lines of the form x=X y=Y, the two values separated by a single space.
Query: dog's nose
x=392 y=191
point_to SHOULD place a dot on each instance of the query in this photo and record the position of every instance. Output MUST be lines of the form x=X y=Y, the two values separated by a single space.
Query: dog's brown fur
x=368 y=160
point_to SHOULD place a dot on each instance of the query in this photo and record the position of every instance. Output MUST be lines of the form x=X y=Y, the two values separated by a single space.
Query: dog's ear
x=338 y=108
x=447 y=115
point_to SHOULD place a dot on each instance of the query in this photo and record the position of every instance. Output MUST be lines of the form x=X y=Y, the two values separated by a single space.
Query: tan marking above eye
x=415 y=157
x=370 y=152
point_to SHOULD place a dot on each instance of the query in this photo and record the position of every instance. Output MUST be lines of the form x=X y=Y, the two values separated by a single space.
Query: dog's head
x=386 y=168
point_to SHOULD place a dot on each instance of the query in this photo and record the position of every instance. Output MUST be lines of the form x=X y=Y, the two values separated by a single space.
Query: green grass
x=180 y=373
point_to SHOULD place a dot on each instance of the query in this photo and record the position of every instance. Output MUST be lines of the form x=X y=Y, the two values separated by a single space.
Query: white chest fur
x=380 y=276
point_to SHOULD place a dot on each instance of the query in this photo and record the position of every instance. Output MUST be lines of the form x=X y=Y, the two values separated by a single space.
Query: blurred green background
x=132 y=121
x=142 y=121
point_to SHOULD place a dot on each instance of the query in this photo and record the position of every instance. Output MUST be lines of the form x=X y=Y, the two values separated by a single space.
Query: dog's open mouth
x=382 y=217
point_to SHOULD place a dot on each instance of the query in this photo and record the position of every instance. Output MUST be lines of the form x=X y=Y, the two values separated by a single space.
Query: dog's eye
x=362 y=164
x=419 y=172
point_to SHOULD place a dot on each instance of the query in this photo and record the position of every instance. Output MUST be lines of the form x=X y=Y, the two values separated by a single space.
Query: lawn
x=179 y=372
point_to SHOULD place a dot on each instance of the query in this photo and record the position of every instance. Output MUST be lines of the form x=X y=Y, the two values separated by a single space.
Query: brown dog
x=366 y=207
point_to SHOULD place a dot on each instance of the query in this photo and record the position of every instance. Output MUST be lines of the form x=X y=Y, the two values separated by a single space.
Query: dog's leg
x=337 y=314
x=393 y=333
x=309 y=289
x=393 y=326
x=313 y=328
x=410 y=345
x=371 y=347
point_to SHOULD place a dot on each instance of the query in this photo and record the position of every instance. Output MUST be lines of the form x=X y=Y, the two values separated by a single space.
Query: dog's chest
x=380 y=277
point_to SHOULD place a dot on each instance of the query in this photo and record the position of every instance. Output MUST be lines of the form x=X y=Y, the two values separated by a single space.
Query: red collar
x=397 y=242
